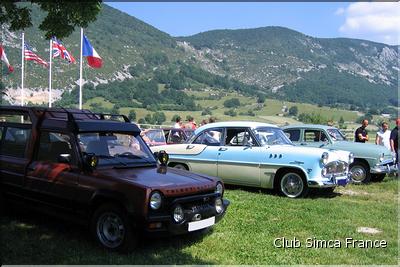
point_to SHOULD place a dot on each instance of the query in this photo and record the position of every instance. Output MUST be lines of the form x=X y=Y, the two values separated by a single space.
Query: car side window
x=52 y=145
x=238 y=137
x=176 y=136
x=210 y=137
x=293 y=135
x=314 y=136
x=15 y=141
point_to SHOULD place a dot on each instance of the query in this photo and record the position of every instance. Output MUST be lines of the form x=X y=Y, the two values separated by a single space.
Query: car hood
x=302 y=151
x=168 y=180
x=362 y=149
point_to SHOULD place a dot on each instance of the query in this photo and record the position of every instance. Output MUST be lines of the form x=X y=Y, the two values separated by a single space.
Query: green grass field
x=245 y=236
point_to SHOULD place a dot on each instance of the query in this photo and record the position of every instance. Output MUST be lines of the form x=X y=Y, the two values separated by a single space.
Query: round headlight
x=351 y=158
x=219 y=207
x=155 y=200
x=178 y=214
x=381 y=157
x=324 y=158
x=219 y=188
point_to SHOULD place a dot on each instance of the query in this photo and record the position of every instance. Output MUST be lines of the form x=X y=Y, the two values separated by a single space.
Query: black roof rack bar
x=126 y=119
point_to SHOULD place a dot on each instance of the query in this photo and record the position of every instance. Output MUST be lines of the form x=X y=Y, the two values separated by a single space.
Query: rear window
x=294 y=135
x=14 y=142
x=15 y=117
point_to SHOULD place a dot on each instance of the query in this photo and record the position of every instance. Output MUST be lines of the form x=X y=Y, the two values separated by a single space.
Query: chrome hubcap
x=110 y=230
x=357 y=174
x=292 y=185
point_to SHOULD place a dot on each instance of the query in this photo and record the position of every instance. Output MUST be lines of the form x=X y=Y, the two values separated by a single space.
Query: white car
x=259 y=155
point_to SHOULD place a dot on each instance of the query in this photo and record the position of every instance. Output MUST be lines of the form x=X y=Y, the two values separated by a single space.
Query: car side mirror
x=162 y=157
x=64 y=158
x=91 y=160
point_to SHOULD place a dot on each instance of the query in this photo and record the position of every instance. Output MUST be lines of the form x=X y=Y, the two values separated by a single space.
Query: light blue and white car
x=259 y=155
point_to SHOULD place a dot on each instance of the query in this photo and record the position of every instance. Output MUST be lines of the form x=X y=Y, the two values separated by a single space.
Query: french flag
x=94 y=60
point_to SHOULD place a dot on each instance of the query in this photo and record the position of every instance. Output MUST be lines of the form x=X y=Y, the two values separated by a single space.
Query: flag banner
x=5 y=59
x=94 y=60
x=30 y=55
x=59 y=50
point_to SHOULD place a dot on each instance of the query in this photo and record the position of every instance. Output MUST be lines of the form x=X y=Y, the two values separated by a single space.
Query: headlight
x=381 y=157
x=178 y=214
x=155 y=200
x=219 y=188
x=219 y=206
x=324 y=158
x=351 y=158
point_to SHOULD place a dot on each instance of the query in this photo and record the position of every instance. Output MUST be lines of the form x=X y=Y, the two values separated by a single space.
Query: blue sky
x=315 y=19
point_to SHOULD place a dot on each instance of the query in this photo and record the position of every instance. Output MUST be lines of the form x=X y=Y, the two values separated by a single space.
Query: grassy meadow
x=245 y=236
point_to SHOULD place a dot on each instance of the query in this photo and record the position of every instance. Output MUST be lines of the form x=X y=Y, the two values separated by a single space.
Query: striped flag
x=30 y=55
x=59 y=50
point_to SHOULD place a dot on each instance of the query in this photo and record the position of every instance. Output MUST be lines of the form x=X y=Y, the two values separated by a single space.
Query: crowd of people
x=384 y=137
x=191 y=124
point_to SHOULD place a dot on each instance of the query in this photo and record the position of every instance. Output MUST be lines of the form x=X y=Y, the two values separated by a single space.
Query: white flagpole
x=51 y=57
x=80 y=73
x=22 y=68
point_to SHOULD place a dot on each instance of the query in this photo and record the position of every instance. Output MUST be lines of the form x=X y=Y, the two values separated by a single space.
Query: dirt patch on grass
x=369 y=230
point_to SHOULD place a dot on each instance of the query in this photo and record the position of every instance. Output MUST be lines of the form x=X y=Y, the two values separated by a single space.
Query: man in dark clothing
x=394 y=140
x=361 y=134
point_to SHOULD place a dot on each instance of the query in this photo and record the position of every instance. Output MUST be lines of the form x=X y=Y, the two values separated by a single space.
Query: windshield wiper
x=112 y=159
x=135 y=157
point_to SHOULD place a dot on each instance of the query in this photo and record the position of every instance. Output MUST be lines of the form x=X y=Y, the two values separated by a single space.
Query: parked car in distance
x=259 y=155
x=371 y=162
x=154 y=137
x=77 y=164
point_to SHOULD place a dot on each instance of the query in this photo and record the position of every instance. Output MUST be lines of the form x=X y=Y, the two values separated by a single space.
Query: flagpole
x=80 y=73
x=51 y=57
x=22 y=68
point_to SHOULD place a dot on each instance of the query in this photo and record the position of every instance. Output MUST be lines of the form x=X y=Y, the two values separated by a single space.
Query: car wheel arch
x=282 y=171
x=173 y=164
x=104 y=196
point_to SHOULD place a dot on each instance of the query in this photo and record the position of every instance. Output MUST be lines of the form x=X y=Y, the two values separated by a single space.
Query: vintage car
x=371 y=162
x=163 y=136
x=260 y=155
x=77 y=164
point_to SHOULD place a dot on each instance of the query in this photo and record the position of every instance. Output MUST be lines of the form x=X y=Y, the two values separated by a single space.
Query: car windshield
x=154 y=136
x=336 y=135
x=116 y=149
x=271 y=136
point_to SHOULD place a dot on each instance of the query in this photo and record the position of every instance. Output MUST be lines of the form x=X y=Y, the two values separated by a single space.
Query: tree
x=61 y=20
x=175 y=117
x=132 y=115
x=293 y=111
x=260 y=98
x=232 y=103
x=159 y=118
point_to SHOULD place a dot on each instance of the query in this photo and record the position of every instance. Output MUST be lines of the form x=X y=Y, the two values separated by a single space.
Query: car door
x=314 y=138
x=239 y=158
x=14 y=157
x=52 y=176
x=206 y=161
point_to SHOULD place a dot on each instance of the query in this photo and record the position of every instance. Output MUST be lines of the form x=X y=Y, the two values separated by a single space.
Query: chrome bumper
x=331 y=182
x=384 y=168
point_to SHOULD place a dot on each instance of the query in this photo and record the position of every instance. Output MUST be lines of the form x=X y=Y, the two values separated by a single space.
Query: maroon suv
x=98 y=169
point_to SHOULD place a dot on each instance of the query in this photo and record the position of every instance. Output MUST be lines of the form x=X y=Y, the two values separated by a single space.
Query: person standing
x=394 y=141
x=361 y=134
x=383 y=136
x=178 y=123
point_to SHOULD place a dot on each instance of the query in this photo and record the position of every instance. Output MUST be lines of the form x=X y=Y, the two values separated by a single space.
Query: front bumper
x=165 y=225
x=385 y=167
x=332 y=181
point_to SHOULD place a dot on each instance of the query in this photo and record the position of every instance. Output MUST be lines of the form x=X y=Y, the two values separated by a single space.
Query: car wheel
x=360 y=173
x=293 y=185
x=328 y=190
x=377 y=177
x=111 y=228
x=181 y=167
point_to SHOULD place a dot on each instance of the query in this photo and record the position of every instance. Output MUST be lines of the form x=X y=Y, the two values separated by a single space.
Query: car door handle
x=190 y=146
x=222 y=149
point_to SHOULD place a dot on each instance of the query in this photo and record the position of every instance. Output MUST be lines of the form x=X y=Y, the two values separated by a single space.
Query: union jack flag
x=60 y=50
x=29 y=55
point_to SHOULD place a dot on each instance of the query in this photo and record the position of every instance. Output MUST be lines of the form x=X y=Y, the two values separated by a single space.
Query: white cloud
x=377 y=21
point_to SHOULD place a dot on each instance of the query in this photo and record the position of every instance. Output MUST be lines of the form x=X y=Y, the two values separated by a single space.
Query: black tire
x=293 y=184
x=360 y=173
x=181 y=167
x=104 y=223
x=328 y=190
x=378 y=177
